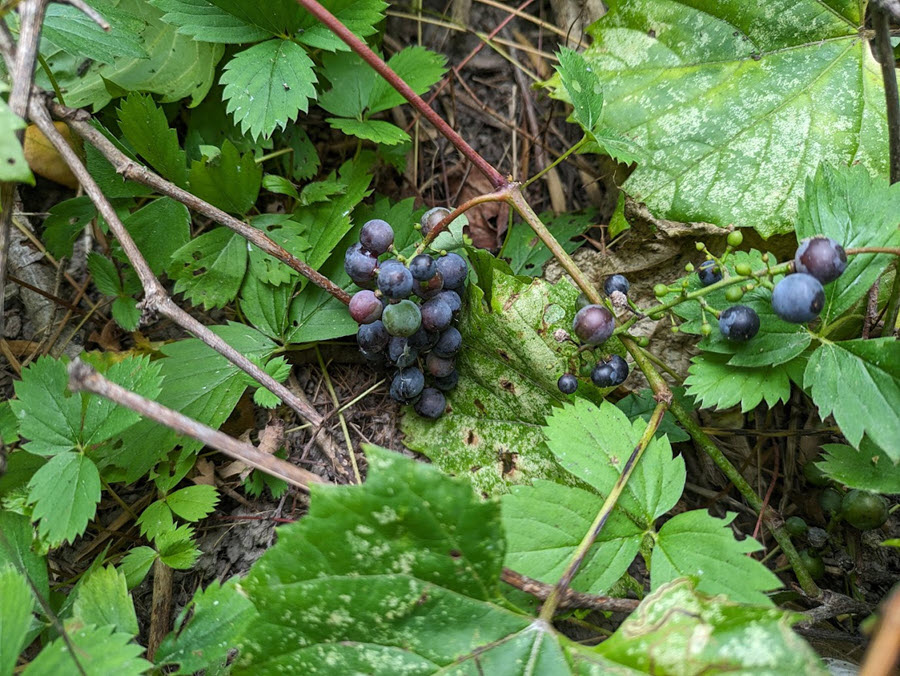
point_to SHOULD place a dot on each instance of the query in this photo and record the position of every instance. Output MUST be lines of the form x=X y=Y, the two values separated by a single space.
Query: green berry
x=813 y=563
x=660 y=290
x=830 y=501
x=705 y=329
x=814 y=475
x=735 y=239
x=700 y=246
x=689 y=267
x=864 y=510
x=743 y=269
x=733 y=294
x=795 y=525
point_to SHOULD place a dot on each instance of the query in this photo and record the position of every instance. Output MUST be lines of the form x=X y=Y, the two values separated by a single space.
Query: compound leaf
x=194 y=502
x=713 y=382
x=48 y=415
x=75 y=32
x=360 y=16
x=869 y=468
x=103 y=601
x=230 y=181
x=100 y=650
x=206 y=22
x=209 y=269
x=145 y=127
x=65 y=493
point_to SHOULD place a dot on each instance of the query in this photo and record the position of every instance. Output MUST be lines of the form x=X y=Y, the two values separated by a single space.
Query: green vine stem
x=562 y=158
x=556 y=595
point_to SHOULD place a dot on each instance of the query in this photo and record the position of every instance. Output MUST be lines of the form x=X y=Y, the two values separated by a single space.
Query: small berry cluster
x=593 y=325
x=800 y=297
x=406 y=311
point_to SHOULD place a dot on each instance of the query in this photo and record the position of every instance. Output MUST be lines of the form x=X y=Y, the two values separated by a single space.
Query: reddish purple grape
x=376 y=236
x=821 y=257
x=365 y=307
x=438 y=366
x=431 y=404
x=360 y=264
x=594 y=324
x=432 y=217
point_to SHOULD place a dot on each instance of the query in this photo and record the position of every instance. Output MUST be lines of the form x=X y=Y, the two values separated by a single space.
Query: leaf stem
x=555 y=162
x=501 y=195
x=561 y=588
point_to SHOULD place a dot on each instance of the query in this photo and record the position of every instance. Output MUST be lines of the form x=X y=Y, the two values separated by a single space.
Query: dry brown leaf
x=206 y=472
x=43 y=158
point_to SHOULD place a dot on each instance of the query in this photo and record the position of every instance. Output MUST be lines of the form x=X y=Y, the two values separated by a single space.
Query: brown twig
x=84 y=378
x=881 y=22
x=884 y=652
x=161 y=608
x=571 y=599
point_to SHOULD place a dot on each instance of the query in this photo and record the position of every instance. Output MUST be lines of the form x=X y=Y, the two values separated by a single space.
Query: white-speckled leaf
x=735 y=102
x=508 y=368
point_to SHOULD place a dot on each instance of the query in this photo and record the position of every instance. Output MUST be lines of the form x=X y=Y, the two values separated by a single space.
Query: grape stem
x=498 y=196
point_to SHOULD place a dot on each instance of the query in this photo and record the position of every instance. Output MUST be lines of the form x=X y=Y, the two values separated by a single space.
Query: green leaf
x=713 y=383
x=64 y=222
x=733 y=123
x=74 y=31
x=527 y=254
x=697 y=545
x=48 y=416
x=286 y=232
x=869 y=468
x=100 y=650
x=13 y=166
x=145 y=127
x=870 y=366
x=205 y=22
x=377 y=131
x=361 y=16
x=595 y=443
x=155 y=520
x=209 y=269
x=583 y=88
x=65 y=493
x=178 y=67
x=304 y=161
x=856 y=210
x=106 y=277
x=177 y=548
x=351 y=85
x=280 y=186
x=9 y=426
x=108 y=179
x=103 y=600
x=267 y=84
x=231 y=181
x=276 y=17
x=16 y=603
x=265 y=306
x=677 y=630
x=219 y=614
x=194 y=502
x=641 y=404
x=417 y=66
x=159 y=229
x=315 y=315
x=17 y=550
x=136 y=564
x=546 y=522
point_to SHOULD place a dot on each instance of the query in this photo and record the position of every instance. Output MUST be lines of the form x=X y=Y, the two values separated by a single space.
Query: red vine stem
x=380 y=67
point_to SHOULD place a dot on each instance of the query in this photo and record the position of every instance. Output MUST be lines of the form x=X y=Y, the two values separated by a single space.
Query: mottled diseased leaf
x=65 y=493
x=205 y=22
x=869 y=366
x=145 y=127
x=737 y=111
x=714 y=383
x=677 y=629
x=103 y=601
x=525 y=251
x=697 y=545
x=869 y=468
x=855 y=210
x=209 y=269
x=266 y=85
x=100 y=650
x=16 y=603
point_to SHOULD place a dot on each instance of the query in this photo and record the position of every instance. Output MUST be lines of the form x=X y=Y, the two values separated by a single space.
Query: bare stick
x=79 y=121
x=83 y=378
x=881 y=23
x=156 y=299
x=357 y=45
x=571 y=599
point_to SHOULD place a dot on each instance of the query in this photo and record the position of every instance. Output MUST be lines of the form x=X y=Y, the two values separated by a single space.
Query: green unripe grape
x=795 y=526
x=643 y=341
x=749 y=287
x=813 y=564
x=700 y=246
x=705 y=329
x=675 y=329
x=735 y=239
x=660 y=290
x=814 y=475
x=864 y=510
x=743 y=269
x=402 y=319
x=830 y=501
x=689 y=267
x=733 y=294
x=765 y=258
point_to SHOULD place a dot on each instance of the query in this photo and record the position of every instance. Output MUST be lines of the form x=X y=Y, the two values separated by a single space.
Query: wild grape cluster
x=406 y=311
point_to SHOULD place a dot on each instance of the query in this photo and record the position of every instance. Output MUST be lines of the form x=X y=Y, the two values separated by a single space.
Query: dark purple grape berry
x=619 y=367
x=448 y=382
x=610 y=373
x=567 y=383
x=593 y=324
x=360 y=264
x=798 y=298
x=739 y=323
x=423 y=340
x=402 y=319
x=365 y=307
x=432 y=217
x=438 y=366
x=453 y=269
x=436 y=315
x=422 y=267
x=615 y=283
x=431 y=404
x=376 y=236
x=448 y=344
x=452 y=299
x=394 y=279
x=400 y=353
x=374 y=358
x=407 y=385
x=821 y=257
x=709 y=273
x=373 y=337
x=429 y=289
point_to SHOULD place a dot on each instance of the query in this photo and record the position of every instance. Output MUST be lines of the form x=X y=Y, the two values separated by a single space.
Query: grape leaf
x=377 y=131
x=194 y=502
x=712 y=382
x=65 y=493
x=100 y=650
x=103 y=601
x=230 y=181
x=734 y=122
x=856 y=210
x=869 y=468
x=205 y=22
x=217 y=614
x=869 y=366
x=266 y=85
x=16 y=603
x=680 y=630
x=74 y=31
x=697 y=545
x=209 y=269
x=159 y=229
x=527 y=254
x=13 y=166
x=145 y=127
